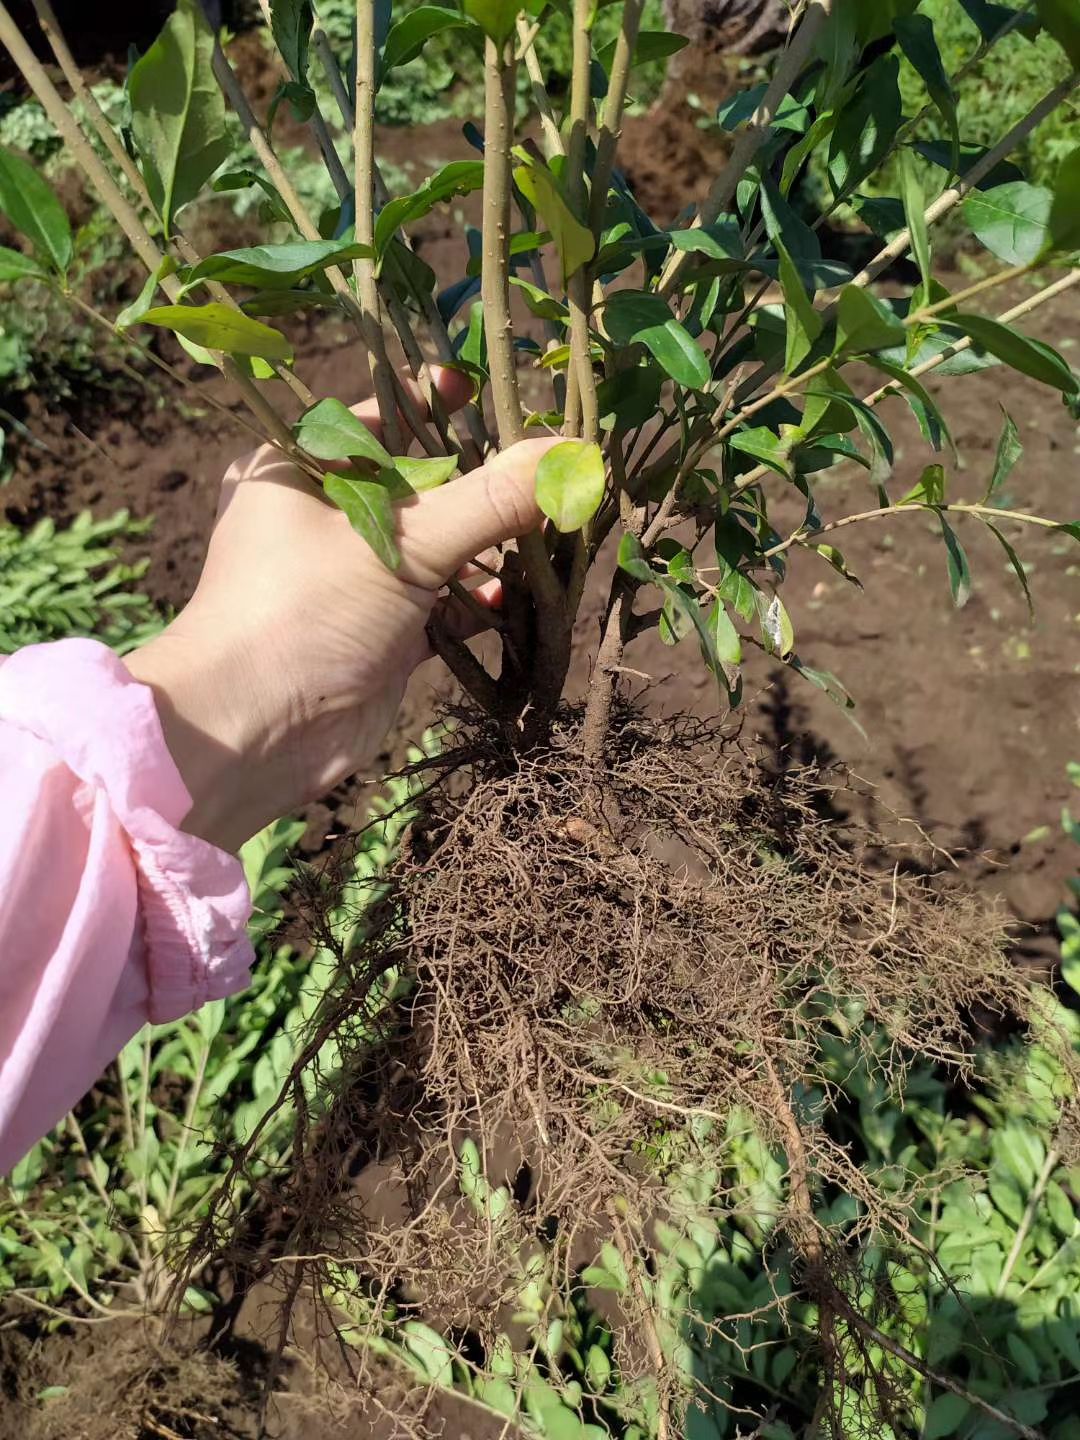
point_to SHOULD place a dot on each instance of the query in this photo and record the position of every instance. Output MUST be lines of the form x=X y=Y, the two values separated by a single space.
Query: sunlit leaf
x=637 y=316
x=631 y=558
x=915 y=214
x=460 y=177
x=408 y=36
x=35 y=212
x=573 y=240
x=1011 y=220
x=495 y=17
x=764 y=445
x=330 y=431
x=370 y=512
x=864 y=323
x=866 y=126
x=219 y=327
x=178 y=112
x=1030 y=357
x=570 y=484
x=803 y=323
x=929 y=490
x=268 y=266
x=425 y=472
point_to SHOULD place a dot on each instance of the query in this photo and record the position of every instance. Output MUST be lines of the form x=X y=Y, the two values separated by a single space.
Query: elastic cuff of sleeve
x=78 y=698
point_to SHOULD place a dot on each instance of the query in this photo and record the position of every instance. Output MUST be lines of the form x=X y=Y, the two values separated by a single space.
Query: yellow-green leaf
x=573 y=240
x=570 y=484
x=219 y=327
x=370 y=513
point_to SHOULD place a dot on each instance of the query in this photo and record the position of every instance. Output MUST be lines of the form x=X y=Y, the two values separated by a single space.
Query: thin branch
x=612 y=115
x=364 y=174
x=791 y=65
x=549 y=126
x=553 y=631
x=226 y=78
x=950 y=198
x=582 y=416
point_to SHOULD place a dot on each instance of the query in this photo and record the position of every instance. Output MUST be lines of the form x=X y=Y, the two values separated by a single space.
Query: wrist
x=215 y=721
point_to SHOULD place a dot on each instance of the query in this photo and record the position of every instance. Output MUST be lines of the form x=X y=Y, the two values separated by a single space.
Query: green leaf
x=725 y=637
x=651 y=45
x=330 y=431
x=1011 y=220
x=631 y=558
x=916 y=36
x=944 y=1416
x=803 y=324
x=290 y=25
x=637 y=316
x=408 y=36
x=178 y=112
x=929 y=490
x=915 y=214
x=370 y=512
x=1061 y=19
x=881 y=446
x=1015 y=561
x=35 y=212
x=570 y=484
x=835 y=558
x=460 y=177
x=219 y=327
x=1030 y=357
x=425 y=472
x=819 y=131
x=938 y=153
x=133 y=313
x=495 y=17
x=270 y=266
x=959 y=570
x=286 y=302
x=864 y=323
x=866 y=126
x=1064 y=220
x=932 y=422
x=14 y=265
x=764 y=445
x=573 y=240
x=540 y=303
x=1009 y=449
x=987 y=16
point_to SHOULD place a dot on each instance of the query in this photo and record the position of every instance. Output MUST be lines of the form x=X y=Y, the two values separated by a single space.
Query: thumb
x=442 y=529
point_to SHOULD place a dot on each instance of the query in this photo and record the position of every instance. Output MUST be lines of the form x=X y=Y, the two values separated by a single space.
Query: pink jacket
x=110 y=916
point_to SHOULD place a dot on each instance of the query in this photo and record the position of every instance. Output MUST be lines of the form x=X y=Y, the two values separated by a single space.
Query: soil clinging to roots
x=597 y=971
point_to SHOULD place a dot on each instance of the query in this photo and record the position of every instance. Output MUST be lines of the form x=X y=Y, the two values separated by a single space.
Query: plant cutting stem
x=957 y=507
x=549 y=126
x=582 y=417
x=790 y=67
x=612 y=116
x=273 y=427
x=226 y=78
x=382 y=376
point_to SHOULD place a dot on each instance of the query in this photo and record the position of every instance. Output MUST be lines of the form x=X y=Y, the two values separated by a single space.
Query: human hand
x=286 y=669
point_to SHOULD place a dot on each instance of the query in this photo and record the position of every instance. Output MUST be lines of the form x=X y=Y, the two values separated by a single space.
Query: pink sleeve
x=109 y=915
